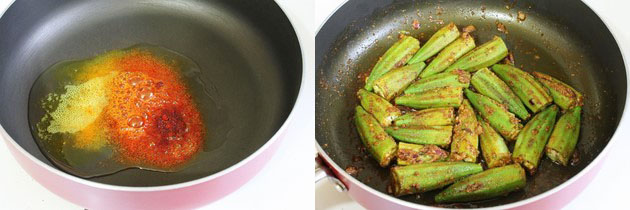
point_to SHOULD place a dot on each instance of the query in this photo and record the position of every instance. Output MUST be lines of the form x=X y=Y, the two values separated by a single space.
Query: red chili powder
x=151 y=117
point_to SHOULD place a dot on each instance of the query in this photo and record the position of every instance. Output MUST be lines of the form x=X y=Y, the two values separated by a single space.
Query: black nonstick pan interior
x=562 y=38
x=247 y=51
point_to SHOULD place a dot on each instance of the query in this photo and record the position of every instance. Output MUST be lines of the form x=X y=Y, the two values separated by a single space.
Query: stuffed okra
x=429 y=176
x=564 y=136
x=436 y=135
x=457 y=78
x=436 y=43
x=485 y=55
x=395 y=56
x=449 y=55
x=434 y=146
x=485 y=185
x=381 y=146
x=434 y=116
x=465 y=145
x=563 y=95
x=439 y=97
x=531 y=142
x=488 y=84
x=409 y=154
x=530 y=91
x=394 y=82
x=493 y=148
x=496 y=114
x=382 y=110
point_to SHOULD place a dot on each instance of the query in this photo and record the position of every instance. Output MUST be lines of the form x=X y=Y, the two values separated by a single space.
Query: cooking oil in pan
x=140 y=107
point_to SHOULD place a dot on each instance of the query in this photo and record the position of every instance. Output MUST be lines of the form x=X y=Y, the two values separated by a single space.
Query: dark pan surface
x=247 y=51
x=562 y=38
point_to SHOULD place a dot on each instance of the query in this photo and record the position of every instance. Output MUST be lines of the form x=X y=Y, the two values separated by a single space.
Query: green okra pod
x=485 y=185
x=465 y=145
x=382 y=110
x=485 y=55
x=395 y=56
x=434 y=116
x=496 y=114
x=439 y=97
x=457 y=78
x=531 y=142
x=409 y=154
x=493 y=148
x=381 y=146
x=436 y=135
x=436 y=43
x=563 y=95
x=449 y=55
x=564 y=136
x=530 y=91
x=488 y=84
x=395 y=81
x=429 y=176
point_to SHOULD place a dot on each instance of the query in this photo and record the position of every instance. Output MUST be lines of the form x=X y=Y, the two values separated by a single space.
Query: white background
x=609 y=190
x=285 y=183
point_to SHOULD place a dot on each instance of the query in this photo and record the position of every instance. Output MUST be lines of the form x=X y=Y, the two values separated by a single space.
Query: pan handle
x=323 y=172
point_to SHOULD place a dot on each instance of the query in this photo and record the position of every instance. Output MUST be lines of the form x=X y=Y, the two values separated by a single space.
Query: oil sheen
x=131 y=108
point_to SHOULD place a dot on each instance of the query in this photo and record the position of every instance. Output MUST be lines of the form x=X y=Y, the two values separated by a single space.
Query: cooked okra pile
x=466 y=108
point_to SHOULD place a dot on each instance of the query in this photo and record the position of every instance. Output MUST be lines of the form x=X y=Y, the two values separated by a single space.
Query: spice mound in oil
x=121 y=109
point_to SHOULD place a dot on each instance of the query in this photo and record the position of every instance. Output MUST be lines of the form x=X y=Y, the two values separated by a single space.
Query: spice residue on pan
x=501 y=27
x=415 y=24
x=521 y=16
x=125 y=108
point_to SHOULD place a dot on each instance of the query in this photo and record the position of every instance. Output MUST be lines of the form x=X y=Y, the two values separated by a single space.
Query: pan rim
x=622 y=121
x=276 y=136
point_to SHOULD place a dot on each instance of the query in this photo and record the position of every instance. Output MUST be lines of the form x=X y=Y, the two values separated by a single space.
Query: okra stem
x=564 y=136
x=485 y=55
x=496 y=114
x=449 y=55
x=563 y=95
x=436 y=135
x=436 y=43
x=493 y=148
x=530 y=143
x=382 y=110
x=440 y=97
x=434 y=116
x=409 y=154
x=530 y=91
x=488 y=184
x=488 y=84
x=381 y=146
x=395 y=56
x=395 y=81
x=465 y=145
x=457 y=78
x=429 y=176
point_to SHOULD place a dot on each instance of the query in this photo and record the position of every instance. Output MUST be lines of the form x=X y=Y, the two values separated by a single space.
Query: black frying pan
x=562 y=38
x=247 y=50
